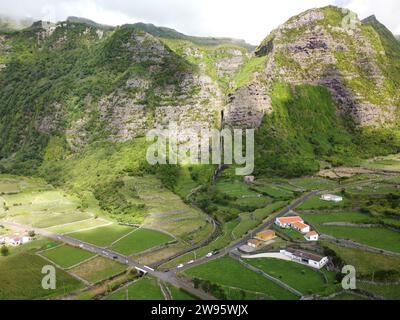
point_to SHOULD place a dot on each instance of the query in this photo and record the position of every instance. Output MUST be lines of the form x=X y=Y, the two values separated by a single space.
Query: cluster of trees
x=214 y=289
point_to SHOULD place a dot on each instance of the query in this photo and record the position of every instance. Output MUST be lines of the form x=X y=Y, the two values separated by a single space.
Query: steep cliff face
x=78 y=83
x=333 y=48
x=87 y=83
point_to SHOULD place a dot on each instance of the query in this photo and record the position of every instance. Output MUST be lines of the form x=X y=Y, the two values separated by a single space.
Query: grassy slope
x=67 y=256
x=21 y=278
x=228 y=272
x=98 y=269
x=102 y=236
x=366 y=263
x=141 y=240
x=304 y=279
x=143 y=289
x=375 y=237
x=304 y=127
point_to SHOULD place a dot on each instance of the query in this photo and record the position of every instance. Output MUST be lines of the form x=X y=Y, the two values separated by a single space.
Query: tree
x=4 y=251
x=31 y=234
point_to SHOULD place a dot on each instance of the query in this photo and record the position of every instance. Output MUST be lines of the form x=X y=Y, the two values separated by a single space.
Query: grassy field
x=77 y=226
x=365 y=263
x=223 y=240
x=375 y=237
x=374 y=189
x=179 y=295
x=347 y=296
x=229 y=273
x=143 y=289
x=388 y=291
x=352 y=217
x=299 y=277
x=231 y=231
x=272 y=190
x=98 y=269
x=314 y=183
x=7 y=186
x=102 y=236
x=21 y=279
x=235 y=188
x=67 y=256
x=315 y=203
x=140 y=240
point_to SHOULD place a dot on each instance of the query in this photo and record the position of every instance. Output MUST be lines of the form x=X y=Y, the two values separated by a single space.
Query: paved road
x=171 y=275
x=107 y=253
x=243 y=241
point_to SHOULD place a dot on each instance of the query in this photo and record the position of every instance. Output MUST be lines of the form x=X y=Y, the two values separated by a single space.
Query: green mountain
x=329 y=88
x=168 y=33
x=76 y=98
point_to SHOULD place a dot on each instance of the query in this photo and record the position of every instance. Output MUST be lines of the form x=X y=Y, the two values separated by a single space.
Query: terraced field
x=297 y=276
x=21 y=275
x=32 y=202
x=315 y=203
x=98 y=269
x=78 y=226
x=143 y=289
x=380 y=238
x=366 y=263
x=102 y=236
x=231 y=274
x=67 y=256
x=351 y=217
x=141 y=240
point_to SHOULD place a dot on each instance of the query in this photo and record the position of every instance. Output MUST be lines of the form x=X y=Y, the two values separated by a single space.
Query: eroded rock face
x=248 y=107
x=146 y=48
x=229 y=65
x=342 y=57
x=305 y=19
x=126 y=117
x=53 y=121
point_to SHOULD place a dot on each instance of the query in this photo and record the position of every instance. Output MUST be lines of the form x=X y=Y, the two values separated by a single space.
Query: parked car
x=180 y=266
x=191 y=262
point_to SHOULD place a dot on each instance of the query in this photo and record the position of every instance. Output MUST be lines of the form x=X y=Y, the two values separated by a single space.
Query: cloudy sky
x=251 y=20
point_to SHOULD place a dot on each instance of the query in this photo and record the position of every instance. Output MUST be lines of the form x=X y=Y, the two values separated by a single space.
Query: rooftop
x=290 y=220
x=305 y=255
x=300 y=225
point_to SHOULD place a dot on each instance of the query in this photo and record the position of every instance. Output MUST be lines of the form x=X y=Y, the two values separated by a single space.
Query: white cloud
x=387 y=11
x=248 y=19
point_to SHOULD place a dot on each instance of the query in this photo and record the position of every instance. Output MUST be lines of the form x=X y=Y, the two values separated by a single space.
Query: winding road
x=107 y=253
x=169 y=276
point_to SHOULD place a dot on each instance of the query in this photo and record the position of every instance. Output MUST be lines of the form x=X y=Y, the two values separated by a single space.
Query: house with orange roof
x=265 y=235
x=312 y=236
x=287 y=222
x=301 y=227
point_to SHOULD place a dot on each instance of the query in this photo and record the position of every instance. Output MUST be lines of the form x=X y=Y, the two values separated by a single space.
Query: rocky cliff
x=83 y=82
x=333 y=48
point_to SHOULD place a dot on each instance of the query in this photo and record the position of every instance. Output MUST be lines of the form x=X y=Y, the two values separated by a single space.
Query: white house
x=14 y=240
x=249 y=179
x=331 y=197
x=306 y=258
x=301 y=227
x=287 y=222
x=312 y=236
x=254 y=243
